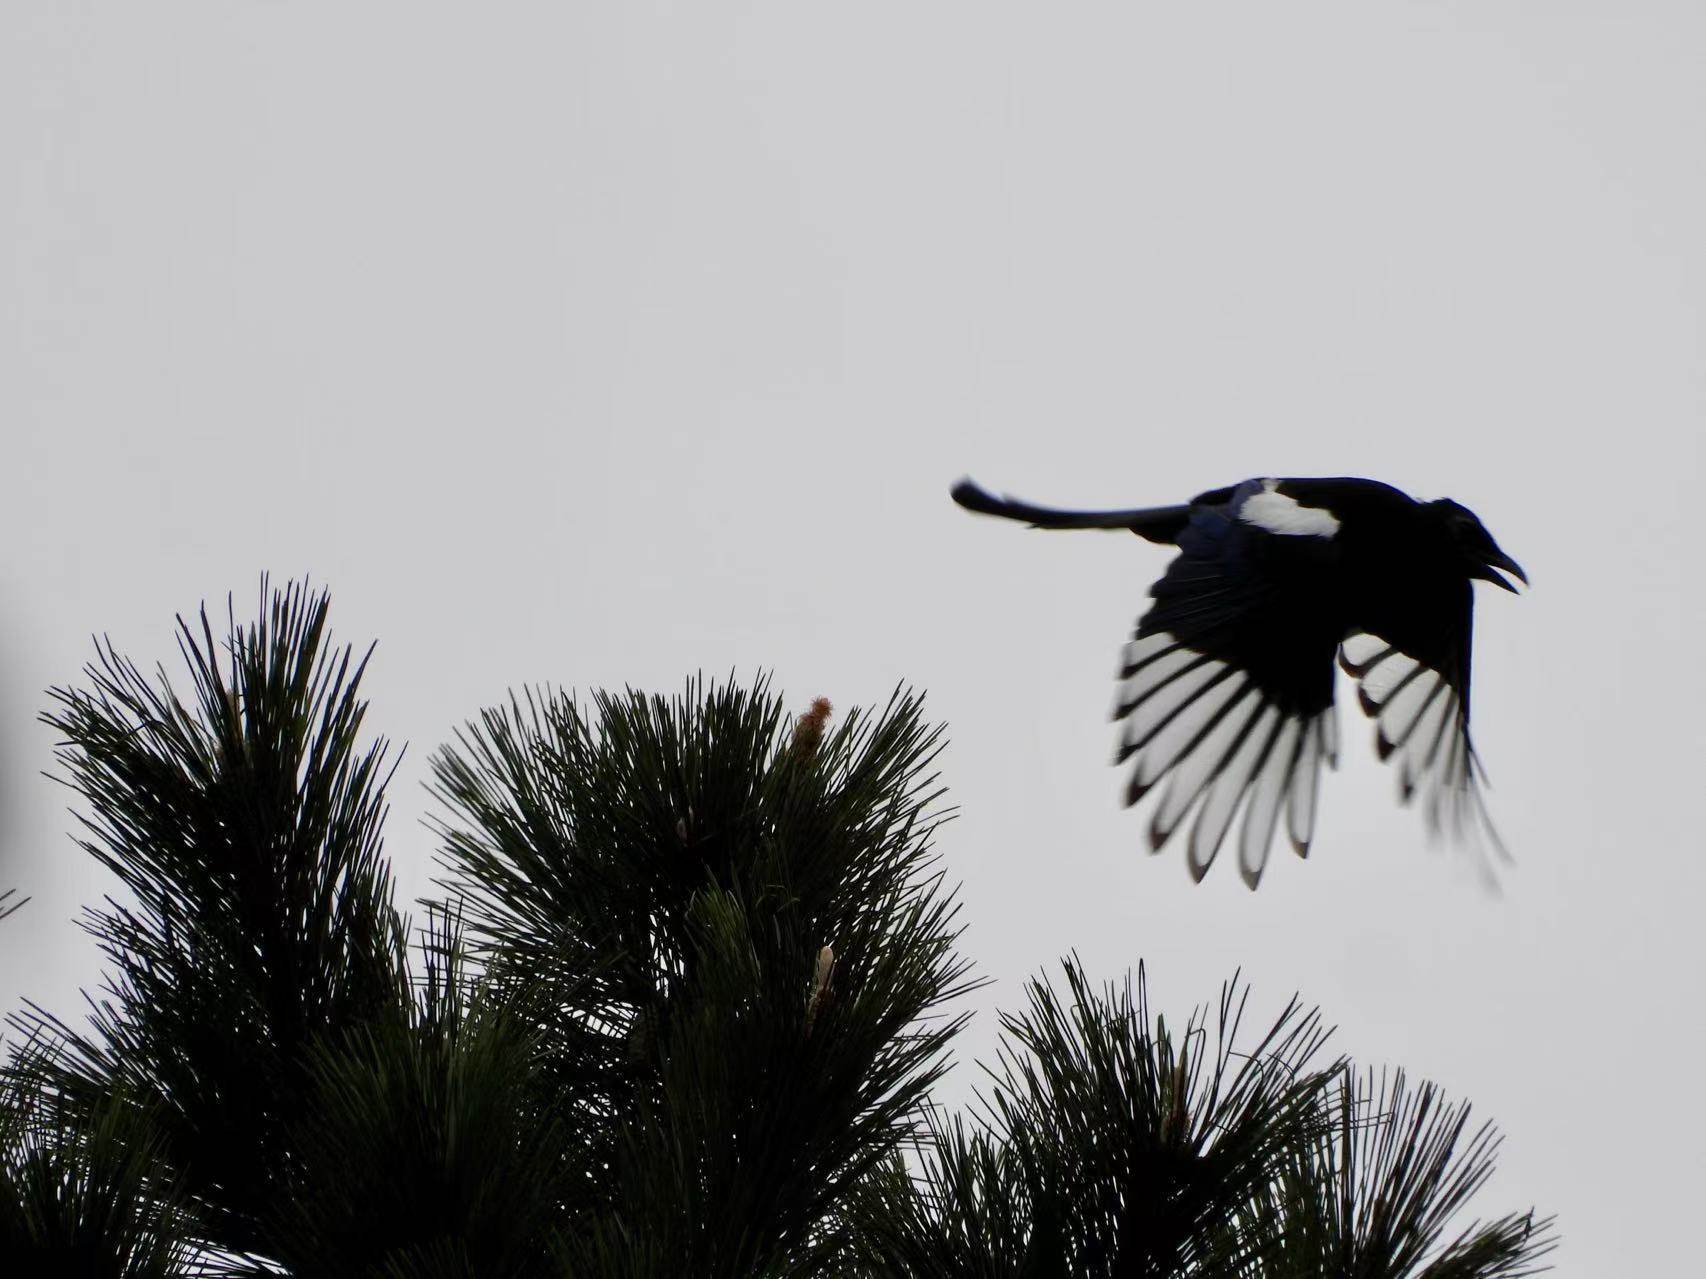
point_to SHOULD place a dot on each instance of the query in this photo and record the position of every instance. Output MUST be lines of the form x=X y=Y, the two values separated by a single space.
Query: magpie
x=1226 y=686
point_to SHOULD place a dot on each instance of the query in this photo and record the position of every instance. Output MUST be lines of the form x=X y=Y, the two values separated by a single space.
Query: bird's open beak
x=1499 y=560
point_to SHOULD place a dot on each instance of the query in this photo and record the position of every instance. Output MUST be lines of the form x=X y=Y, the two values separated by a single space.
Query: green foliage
x=1110 y=1145
x=245 y=825
x=1113 y=1146
x=1375 y=1190
x=424 y=1146
x=680 y=1013
x=674 y=869
x=81 y=1193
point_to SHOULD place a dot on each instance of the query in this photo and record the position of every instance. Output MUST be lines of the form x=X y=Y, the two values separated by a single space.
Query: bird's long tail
x=1156 y=523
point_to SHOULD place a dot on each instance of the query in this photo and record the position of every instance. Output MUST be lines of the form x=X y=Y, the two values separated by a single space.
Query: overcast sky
x=602 y=343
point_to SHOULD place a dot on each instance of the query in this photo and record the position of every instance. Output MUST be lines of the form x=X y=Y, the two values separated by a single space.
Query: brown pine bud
x=820 y=985
x=808 y=729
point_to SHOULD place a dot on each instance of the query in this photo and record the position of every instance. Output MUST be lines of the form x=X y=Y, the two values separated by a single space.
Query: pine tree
x=1111 y=1145
x=678 y=1009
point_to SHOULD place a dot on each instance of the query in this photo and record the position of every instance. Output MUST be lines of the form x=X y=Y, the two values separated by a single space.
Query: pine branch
x=245 y=825
x=1142 y=1142
x=425 y=1145
x=1109 y=1144
x=1375 y=1193
x=81 y=1192
x=674 y=870
x=962 y=1208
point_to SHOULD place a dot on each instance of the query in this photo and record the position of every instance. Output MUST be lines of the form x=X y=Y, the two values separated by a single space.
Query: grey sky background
x=602 y=343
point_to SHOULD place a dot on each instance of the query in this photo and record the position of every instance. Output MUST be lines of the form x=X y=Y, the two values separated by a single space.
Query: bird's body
x=1227 y=684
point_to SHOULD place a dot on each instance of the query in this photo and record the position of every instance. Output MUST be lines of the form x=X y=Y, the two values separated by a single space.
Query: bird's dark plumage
x=1226 y=688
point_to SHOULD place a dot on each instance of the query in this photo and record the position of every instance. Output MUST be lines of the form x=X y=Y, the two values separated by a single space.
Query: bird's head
x=1482 y=557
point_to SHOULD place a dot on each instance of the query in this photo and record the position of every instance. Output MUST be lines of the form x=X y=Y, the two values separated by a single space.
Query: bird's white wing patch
x=1305 y=786
x=1196 y=767
x=1189 y=734
x=1224 y=750
x=1421 y=727
x=1387 y=678
x=1181 y=709
x=1267 y=792
x=1220 y=805
x=1139 y=651
x=1359 y=650
x=1154 y=673
x=1275 y=512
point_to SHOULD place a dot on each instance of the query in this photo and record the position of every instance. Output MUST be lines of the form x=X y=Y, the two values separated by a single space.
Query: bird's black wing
x=1411 y=662
x=1227 y=684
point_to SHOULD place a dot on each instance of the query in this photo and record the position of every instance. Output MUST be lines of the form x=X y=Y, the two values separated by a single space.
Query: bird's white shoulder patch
x=1276 y=513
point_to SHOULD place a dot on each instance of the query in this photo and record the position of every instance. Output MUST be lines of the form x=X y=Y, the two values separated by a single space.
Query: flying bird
x=1226 y=686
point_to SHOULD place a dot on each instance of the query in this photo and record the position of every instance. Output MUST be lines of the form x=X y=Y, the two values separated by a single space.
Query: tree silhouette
x=678 y=1009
